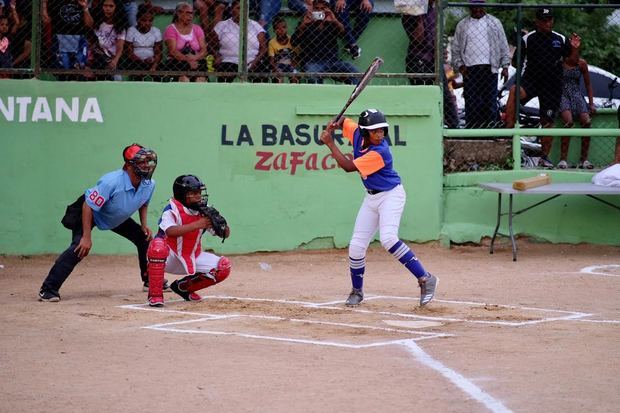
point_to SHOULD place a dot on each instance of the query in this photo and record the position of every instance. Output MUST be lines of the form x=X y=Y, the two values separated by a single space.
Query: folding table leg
x=499 y=217
x=512 y=237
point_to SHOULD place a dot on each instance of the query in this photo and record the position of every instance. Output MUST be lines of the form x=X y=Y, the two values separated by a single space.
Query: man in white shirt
x=479 y=51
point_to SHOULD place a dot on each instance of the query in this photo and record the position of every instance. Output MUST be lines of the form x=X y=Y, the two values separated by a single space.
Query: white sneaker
x=562 y=165
x=585 y=165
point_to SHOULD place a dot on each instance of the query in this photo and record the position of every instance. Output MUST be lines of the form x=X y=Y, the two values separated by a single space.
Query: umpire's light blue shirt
x=114 y=199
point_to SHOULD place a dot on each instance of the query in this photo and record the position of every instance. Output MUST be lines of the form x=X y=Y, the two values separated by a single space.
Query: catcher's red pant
x=198 y=281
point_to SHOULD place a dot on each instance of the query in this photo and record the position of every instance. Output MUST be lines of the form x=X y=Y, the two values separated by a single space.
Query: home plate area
x=379 y=321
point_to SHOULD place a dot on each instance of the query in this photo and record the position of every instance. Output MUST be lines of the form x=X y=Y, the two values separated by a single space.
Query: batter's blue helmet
x=372 y=119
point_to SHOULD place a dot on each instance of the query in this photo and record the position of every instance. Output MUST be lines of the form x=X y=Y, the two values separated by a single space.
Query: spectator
x=421 y=31
x=70 y=21
x=344 y=10
x=205 y=8
x=131 y=10
x=151 y=8
x=480 y=50
x=450 y=108
x=227 y=59
x=108 y=205
x=544 y=51
x=23 y=43
x=573 y=104
x=270 y=8
x=144 y=44
x=6 y=57
x=110 y=30
x=281 y=53
x=186 y=44
x=316 y=37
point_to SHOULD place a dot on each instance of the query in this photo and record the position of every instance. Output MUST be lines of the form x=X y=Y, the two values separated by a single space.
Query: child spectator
x=111 y=30
x=6 y=58
x=70 y=21
x=186 y=44
x=281 y=52
x=22 y=46
x=573 y=104
x=144 y=44
x=8 y=27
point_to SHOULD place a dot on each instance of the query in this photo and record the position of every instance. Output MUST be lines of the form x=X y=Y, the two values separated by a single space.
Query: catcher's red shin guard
x=157 y=255
x=198 y=281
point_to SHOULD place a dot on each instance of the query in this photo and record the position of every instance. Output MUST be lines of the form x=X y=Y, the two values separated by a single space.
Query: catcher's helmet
x=143 y=160
x=186 y=183
x=372 y=119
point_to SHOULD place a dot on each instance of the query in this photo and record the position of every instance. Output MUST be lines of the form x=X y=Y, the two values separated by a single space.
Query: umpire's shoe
x=355 y=297
x=428 y=284
x=49 y=296
x=145 y=286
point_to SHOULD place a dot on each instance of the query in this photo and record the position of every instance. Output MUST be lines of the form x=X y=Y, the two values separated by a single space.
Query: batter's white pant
x=205 y=262
x=381 y=212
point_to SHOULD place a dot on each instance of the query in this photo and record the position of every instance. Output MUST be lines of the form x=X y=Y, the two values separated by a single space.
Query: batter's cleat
x=145 y=286
x=156 y=301
x=49 y=296
x=355 y=298
x=186 y=295
x=428 y=284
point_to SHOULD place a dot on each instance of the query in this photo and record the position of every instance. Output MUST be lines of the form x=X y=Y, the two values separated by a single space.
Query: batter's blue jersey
x=374 y=163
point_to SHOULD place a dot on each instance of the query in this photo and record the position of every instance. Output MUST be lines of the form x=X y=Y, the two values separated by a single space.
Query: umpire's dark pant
x=480 y=93
x=66 y=262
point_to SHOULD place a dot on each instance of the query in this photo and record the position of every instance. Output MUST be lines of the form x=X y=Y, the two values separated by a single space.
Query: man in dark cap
x=544 y=51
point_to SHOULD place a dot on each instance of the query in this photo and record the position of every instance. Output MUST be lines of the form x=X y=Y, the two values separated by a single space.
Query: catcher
x=176 y=248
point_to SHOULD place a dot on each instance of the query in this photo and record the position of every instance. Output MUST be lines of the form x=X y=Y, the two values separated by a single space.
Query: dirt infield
x=538 y=335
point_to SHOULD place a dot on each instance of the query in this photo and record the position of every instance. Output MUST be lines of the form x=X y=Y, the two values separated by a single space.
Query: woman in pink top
x=186 y=44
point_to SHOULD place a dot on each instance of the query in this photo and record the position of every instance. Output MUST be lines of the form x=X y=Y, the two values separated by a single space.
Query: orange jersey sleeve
x=348 y=129
x=369 y=163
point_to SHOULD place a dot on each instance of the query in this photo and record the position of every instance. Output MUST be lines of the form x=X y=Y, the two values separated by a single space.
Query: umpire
x=108 y=205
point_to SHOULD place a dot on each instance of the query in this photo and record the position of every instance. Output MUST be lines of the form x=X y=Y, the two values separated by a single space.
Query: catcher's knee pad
x=223 y=269
x=156 y=255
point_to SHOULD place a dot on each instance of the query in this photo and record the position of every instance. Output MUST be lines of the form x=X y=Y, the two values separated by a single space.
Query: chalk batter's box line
x=174 y=328
x=564 y=315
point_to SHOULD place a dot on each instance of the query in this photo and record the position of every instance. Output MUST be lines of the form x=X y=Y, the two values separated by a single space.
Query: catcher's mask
x=143 y=160
x=372 y=119
x=187 y=183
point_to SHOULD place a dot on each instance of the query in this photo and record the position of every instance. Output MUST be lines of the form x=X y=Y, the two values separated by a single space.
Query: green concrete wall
x=220 y=132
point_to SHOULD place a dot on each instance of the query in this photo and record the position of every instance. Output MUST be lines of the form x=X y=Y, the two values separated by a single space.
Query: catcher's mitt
x=218 y=222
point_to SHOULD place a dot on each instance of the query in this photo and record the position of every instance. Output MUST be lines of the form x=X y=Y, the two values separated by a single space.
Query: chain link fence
x=562 y=60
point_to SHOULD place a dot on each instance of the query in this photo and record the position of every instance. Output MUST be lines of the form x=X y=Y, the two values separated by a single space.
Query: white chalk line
x=457 y=379
x=570 y=315
x=328 y=305
x=592 y=270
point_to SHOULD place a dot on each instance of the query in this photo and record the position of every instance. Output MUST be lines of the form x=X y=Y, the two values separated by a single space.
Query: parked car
x=605 y=88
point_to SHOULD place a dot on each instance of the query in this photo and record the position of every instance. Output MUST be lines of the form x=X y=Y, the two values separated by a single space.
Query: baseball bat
x=366 y=78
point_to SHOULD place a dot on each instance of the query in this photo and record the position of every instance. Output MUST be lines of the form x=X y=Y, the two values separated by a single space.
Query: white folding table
x=554 y=190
